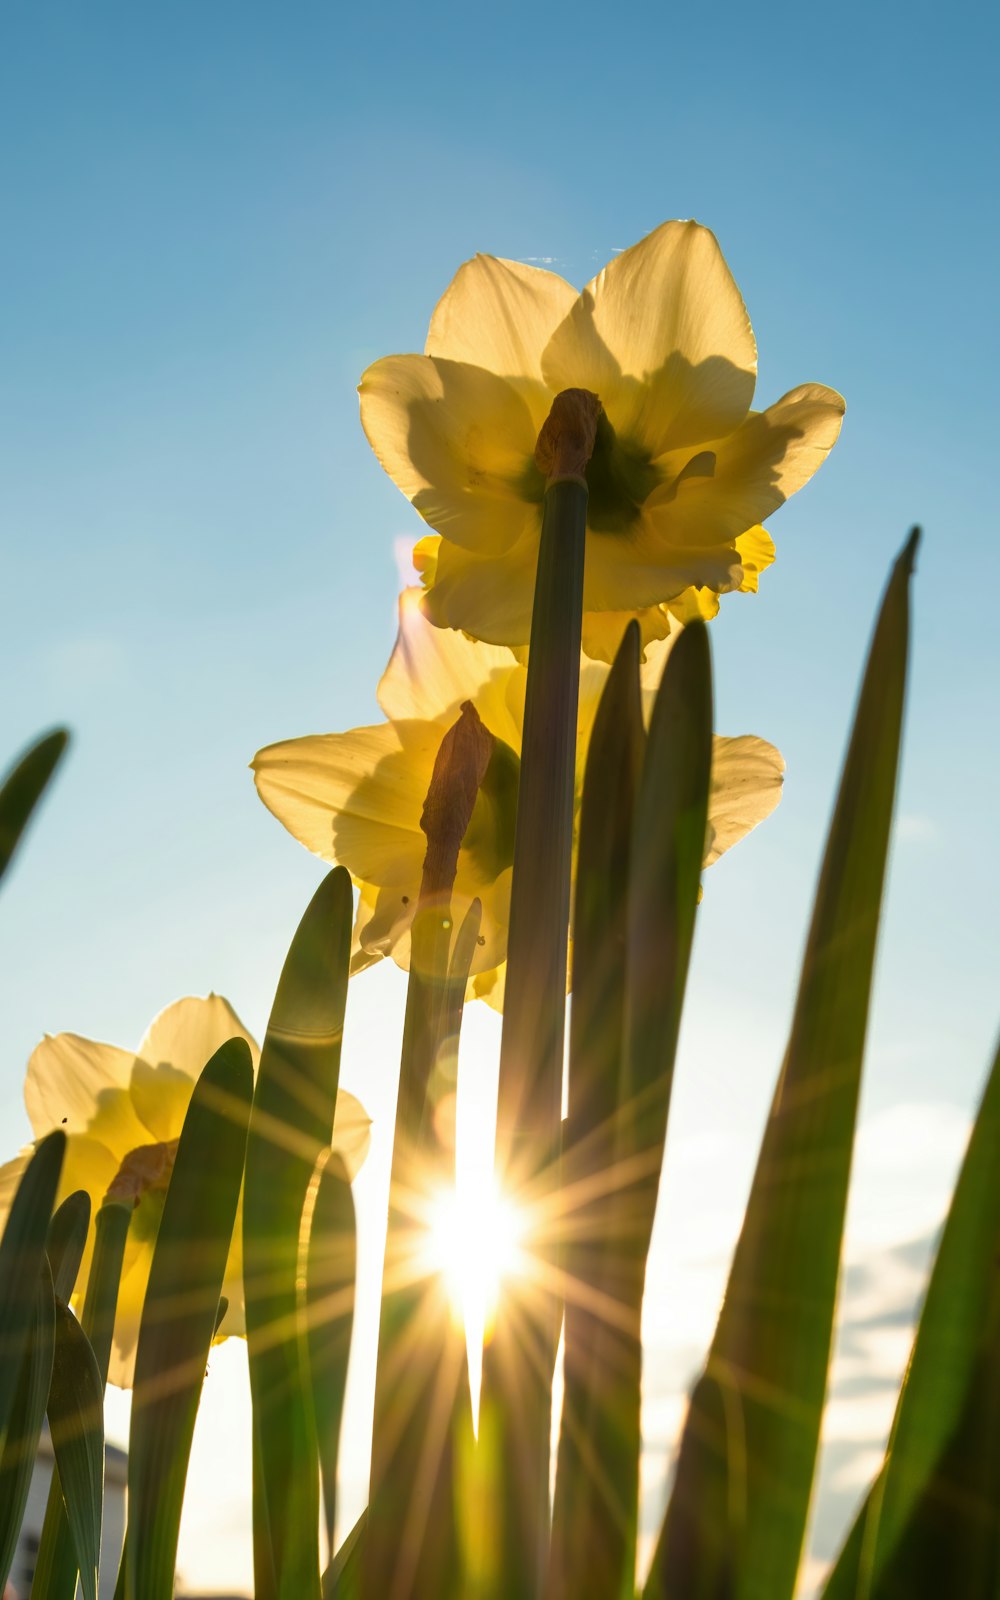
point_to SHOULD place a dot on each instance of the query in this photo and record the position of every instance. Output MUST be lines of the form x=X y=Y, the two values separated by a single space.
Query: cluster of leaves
x=449 y=1517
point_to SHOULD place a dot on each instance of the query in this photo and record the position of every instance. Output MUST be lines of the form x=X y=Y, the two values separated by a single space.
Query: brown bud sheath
x=566 y=442
x=459 y=768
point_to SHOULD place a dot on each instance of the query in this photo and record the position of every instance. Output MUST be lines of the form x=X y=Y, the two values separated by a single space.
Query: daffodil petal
x=500 y=315
x=177 y=1045
x=351 y=1132
x=747 y=476
x=663 y=336
x=756 y=552
x=602 y=630
x=488 y=596
x=354 y=798
x=83 y=1087
x=433 y=670
x=650 y=569
x=459 y=442
x=745 y=788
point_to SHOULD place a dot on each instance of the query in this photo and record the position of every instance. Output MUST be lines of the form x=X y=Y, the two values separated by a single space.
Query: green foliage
x=291 y=1123
x=331 y=1267
x=22 y=789
x=66 y=1241
x=17 y=1457
x=180 y=1314
x=22 y=1251
x=76 y=1423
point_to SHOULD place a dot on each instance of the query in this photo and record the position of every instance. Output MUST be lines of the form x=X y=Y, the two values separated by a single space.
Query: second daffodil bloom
x=356 y=798
x=122 y=1112
x=683 y=472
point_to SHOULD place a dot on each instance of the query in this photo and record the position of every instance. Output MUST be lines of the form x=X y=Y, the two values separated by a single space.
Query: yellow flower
x=123 y=1113
x=356 y=798
x=683 y=472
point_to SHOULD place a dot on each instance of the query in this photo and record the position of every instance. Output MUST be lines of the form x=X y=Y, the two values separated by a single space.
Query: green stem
x=519 y=1363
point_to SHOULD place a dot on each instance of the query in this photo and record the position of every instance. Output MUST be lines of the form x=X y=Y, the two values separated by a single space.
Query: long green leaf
x=331 y=1263
x=292 y=1121
x=947 y=1376
x=22 y=789
x=67 y=1240
x=55 y=1565
x=20 y=1445
x=342 y=1578
x=21 y=1250
x=76 y=1423
x=590 y=1523
x=771 y=1348
x=180 y=1311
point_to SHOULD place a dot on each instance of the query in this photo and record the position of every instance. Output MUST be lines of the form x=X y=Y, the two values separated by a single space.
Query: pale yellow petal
x=11 y=1174
x=487 y=596
x=649 y=569
x=756 y=552
x=351 y=1132
x=433 y=670
x=742 y=479
x=500 y=315
x=459 y=442
x=663 y=336
x=746 y=786
x=354 y=798
x=177 y=1045
x=83 y=1087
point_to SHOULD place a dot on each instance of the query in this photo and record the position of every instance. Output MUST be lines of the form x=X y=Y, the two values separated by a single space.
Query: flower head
x=683 y=472
x=123 y=1113
x=357 y=798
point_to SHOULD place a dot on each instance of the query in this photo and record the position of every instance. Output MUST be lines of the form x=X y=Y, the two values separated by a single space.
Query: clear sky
x=213 y=218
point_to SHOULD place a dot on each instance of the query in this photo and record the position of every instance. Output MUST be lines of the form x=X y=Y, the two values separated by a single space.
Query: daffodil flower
x=683 y=472
x=356 y=798
x=123 y=1112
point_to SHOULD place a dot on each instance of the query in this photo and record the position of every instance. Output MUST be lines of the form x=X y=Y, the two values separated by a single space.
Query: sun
x=474 y=1241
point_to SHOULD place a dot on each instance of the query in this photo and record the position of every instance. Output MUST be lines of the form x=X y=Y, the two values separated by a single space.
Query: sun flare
x=474 y=1240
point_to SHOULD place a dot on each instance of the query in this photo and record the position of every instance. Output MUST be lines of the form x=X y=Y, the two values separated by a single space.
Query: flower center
x=489 y=838
x=620 y=477
x=145 y=1170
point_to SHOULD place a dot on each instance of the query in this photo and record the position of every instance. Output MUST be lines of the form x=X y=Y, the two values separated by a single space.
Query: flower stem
x=518 y=1367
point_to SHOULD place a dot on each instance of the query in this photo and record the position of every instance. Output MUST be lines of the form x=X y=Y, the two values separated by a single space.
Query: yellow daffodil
x=356 y=798
x=683 y=472
x=123 y=1113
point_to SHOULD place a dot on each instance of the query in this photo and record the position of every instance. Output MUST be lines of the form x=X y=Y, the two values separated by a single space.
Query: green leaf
x=590 y=1548
x=55 y=1565
x=331 y=1260
x=291 y=1123
x=76 y=1423
x=771 y=1348
x=179 y=1313
x=342 y=1578
x=20 y=1443
x=22 y=789
x=66 y=1241
x=947 y=1396
x=21 y=1251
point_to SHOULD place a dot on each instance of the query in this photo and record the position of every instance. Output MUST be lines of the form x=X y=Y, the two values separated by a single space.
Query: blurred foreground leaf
x=22 y=1249
x=76 y=1423
x=20 y=1444
x=23 y=787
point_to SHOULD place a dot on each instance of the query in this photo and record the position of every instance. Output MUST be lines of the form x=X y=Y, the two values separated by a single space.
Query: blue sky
x=214 y=217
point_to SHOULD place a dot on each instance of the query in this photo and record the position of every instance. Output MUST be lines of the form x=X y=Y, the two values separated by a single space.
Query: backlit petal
x=458 y=441
x=663 y=337
x=500 y=315
x=746 y=787
x=354 y=798
x=83 y=1087
x=433 y=670
x=756 y=552
x=177 y=1045
x=742 y=479
x=351 y=1132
